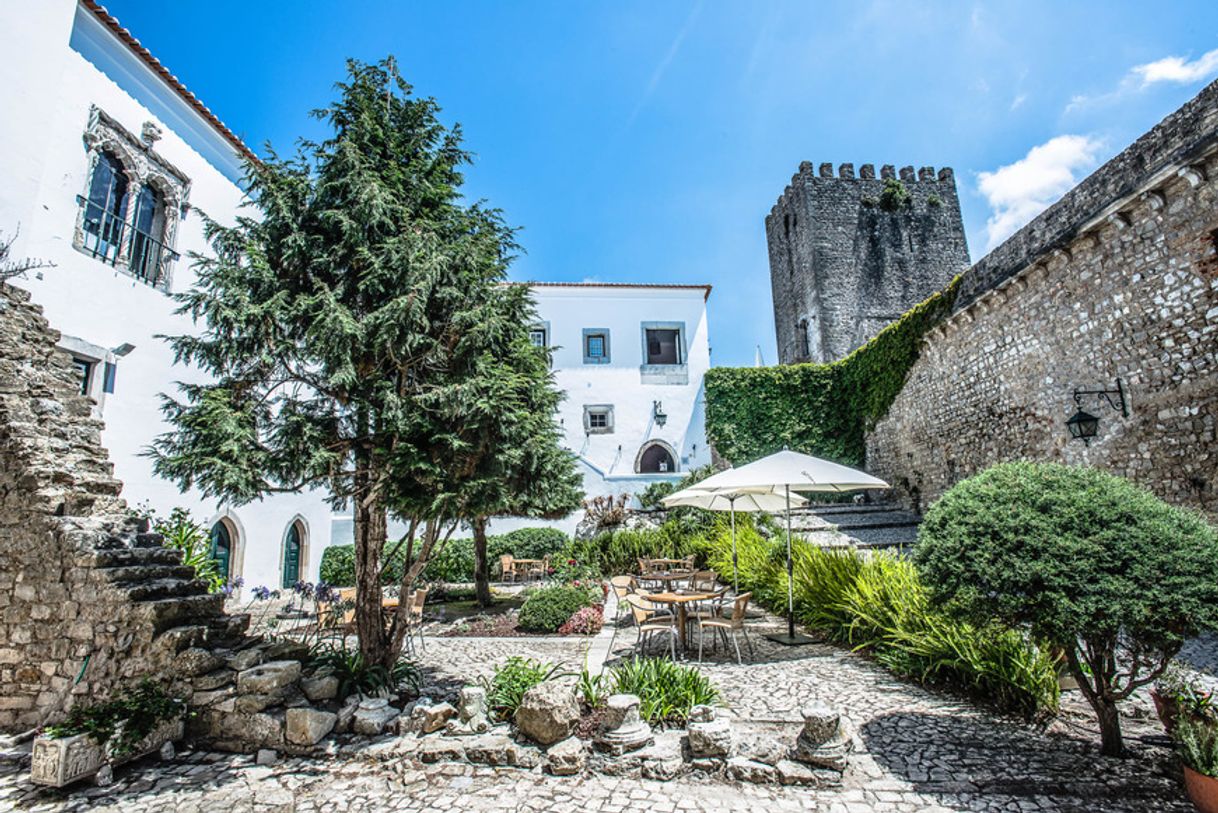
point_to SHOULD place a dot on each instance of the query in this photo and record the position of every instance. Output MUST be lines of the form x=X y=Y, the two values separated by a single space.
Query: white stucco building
x=105 y=160
x=630 y=359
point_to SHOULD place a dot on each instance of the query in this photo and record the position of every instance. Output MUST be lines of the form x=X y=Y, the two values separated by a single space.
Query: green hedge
x=548 y=608
x=615 y=553
x=821 y=409
x=878 y=603
x=455 y=563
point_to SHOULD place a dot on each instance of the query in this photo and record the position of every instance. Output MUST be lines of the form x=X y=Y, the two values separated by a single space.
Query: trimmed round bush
x=1094 y=565
x=548 y=608
x=527 y=543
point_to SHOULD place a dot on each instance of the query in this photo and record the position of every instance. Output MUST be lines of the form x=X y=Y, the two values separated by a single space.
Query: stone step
x=165 y=588
x=137 y=557
x=147 y=573
x=167 y=613
x=850 y=508
x=878 y=519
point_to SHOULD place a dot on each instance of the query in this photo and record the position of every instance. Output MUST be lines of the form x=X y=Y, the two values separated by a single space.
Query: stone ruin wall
x=89 y=600
x=841 y=267
x=1118 y=279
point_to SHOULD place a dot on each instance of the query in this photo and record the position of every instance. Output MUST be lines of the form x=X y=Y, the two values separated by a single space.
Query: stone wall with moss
x=1117 y=280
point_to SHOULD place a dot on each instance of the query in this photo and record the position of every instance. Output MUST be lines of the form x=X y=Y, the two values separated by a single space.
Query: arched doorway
x=656 y=458
x=223 y=546
x=293 y=553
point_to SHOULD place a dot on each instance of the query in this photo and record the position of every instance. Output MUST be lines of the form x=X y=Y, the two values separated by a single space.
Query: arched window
x=656 y=458
x=147 y=238
x=293 y=553
x=222 y=548
x=105 y=208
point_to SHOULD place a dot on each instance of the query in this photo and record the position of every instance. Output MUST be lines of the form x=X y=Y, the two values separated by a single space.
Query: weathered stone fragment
x=320 y=687
x=548 y=713
x=622 y=729
x=709 y=735
x=306 y=726
x=748 y=770
x=567 y=757
x=267 y=677
x=373 y=716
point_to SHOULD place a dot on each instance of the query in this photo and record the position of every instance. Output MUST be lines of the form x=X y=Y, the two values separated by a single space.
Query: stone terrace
x=918 y=751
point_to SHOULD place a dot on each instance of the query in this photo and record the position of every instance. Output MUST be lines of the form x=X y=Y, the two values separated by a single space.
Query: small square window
x=598 y=419
x=596 y=346
x=538 y=337
x=84 y=373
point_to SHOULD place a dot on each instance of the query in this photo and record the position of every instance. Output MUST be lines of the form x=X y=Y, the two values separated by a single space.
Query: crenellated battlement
x=809 y=176
x=845 y=260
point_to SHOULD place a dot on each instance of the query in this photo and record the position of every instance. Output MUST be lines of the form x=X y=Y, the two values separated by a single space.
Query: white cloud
x=1018 y=192
x=1177 y=69
x=662 y=68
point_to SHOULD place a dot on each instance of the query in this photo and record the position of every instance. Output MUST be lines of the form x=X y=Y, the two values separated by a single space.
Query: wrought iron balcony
x=110 y=239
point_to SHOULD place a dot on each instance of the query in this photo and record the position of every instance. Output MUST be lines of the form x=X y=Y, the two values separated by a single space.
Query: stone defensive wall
x=1117 y=280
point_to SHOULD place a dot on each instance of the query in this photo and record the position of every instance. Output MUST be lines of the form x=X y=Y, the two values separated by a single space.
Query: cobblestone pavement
x=918 y=751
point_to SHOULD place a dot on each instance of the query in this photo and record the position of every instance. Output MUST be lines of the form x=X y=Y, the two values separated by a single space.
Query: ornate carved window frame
x=142 y=165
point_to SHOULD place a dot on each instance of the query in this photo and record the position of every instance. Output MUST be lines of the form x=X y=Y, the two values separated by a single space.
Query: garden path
x=919 y=751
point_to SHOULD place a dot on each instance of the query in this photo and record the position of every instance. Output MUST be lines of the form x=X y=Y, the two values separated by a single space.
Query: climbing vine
x=821 y=409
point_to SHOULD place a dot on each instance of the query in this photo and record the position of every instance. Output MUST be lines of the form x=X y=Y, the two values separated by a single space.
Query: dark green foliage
x=454 y=563
x=356 y=675
x=547 y=608
x=878 y=603
x=357 y=337
x=529 y=543
x=1101 y=568
x=181 y=532
x=123 y=721
x=820 y=409
x=895 y=196
x=650 y=497
x=511 y=679
x=666 y=690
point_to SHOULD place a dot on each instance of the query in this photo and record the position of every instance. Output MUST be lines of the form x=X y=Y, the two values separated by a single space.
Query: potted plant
x=1178 y=693
x=1196 y=741
x=95 y=738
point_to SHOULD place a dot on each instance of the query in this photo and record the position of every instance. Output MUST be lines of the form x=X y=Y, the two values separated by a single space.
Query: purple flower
x=262 y=593
x=304 y=589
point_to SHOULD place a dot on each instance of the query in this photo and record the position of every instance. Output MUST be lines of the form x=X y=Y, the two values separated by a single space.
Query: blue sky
x=645 y=141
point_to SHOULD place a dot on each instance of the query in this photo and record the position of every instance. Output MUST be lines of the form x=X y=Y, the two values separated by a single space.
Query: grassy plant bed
x=879 y=605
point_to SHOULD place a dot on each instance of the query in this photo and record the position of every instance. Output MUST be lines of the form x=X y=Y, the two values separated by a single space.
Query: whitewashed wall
x=59 y=61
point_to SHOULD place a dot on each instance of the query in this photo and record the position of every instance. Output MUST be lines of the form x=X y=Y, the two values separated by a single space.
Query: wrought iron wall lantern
x=657 y=412
x=1083 y=425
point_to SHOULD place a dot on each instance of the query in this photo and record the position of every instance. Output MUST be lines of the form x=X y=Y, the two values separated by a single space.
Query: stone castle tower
x=850 y=254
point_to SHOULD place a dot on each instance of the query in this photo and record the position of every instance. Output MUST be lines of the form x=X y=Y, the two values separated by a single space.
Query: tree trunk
x=1111 y=743
x=371 y=529
x=482 y=568
x=1106 y=713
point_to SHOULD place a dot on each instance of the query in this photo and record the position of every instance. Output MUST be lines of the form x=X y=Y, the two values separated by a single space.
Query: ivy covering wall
x=820 y=409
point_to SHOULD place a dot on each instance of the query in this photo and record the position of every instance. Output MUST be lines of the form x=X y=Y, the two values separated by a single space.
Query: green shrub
x=1197 y=743
x=618 y=552
x=1104 y=571
x=650 y=497
x=356 y=675
x=181 y=532
x=455 y=561
x=547 y=608
x=878 y=603
x=528 y=543
x=666 y=690
x=122 y=721
x=511 y=679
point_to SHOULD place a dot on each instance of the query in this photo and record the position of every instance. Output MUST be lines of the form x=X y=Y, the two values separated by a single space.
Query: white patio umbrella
x=784 y=472
x=768 y=502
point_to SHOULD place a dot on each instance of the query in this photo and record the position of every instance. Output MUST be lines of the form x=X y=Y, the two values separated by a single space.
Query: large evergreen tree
x=361 y=339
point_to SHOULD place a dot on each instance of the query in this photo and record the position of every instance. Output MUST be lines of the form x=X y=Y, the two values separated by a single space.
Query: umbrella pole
x=790 y=638
x=790 y=572
x=735 y=563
